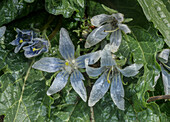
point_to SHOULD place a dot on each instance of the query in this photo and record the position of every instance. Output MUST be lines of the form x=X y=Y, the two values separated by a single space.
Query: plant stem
x=158 y=98
x=92 y=115
x=56 y=28
x=50 y=19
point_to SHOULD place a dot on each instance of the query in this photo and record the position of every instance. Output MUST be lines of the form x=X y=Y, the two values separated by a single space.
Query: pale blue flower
x=23 y=37
x=107 y=24
x=164 y=57
x=69 y=67
x=111 y=77
x=38 y=47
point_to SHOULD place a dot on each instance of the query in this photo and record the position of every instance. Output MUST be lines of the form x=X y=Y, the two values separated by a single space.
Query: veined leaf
x=12 y=9
x=143 y=46
x=155 y=11
x=64 y=7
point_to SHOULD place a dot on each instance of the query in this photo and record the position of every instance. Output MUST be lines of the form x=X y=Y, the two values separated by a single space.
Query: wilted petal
x=115 y=40
x=49 y=64
x=93 y=71
x=59 y=82
x=93 y=58
x=117 y=91
x=98 y=20
x=124 y=28
x=163 y=56
x=97 y=35
x=119 y=17
x=107 y=59
x=2 y=31
x=78 y=85
x=131 y=70
x=166 y=81
x=99 y=89
x=66 y=46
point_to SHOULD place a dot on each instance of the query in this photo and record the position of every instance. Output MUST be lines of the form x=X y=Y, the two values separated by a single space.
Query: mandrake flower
x=38 y=47
x=107 y=24
x=69 y=67
x=23 y=37
x=111 y=77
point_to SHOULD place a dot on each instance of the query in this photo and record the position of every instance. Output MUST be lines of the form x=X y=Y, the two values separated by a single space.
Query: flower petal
x=92 y=57
x=117 y=91
x=115 y=40
x=98 y=20
x=66 y=46
x=155 y=80
x=99 y=89
x=124 y=28
x=49 y=64
x=93 y=71
x=107 y=59
x=59 y=82
x=26 y=35
x=39 y=46
x=2 y=31
x=15 y=42
x=163 y=56
x=18 y=47
x=131 y=70
x=97 y=35
x=119 y=17
x=78 y=85
x=166 y=81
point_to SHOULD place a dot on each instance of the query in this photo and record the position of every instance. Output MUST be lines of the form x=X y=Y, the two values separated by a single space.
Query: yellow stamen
x=111 y=30
x=20 y=41
x=34 y=49
x=67 y=63
x=109 y=75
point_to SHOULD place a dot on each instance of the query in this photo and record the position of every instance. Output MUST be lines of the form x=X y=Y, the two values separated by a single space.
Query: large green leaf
x=105 y=111
x=156 y=11
x=144 y=46
x=12 y=9
x=64 y=7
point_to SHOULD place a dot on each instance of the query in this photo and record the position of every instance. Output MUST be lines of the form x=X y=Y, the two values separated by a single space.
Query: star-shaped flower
x=23 y=37
x=111 y=77
x=69 y=67
x=38 y=46
x=107 y=24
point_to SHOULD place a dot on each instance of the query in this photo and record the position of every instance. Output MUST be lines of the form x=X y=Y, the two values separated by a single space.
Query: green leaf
x=156 y=12
x=29 y=1
x=64 y=7
x=109 y=10
x=143 y=46
x=10 y=10
x=105 y=111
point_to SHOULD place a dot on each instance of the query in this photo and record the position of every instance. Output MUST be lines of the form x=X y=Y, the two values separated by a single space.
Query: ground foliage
x=23 y=89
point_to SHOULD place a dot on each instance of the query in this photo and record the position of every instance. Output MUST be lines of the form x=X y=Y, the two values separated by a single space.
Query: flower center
x=70 y=65
x=20 y=41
